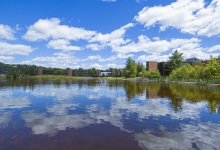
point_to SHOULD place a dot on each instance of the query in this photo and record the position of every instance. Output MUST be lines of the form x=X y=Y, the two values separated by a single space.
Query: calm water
x=108 y=115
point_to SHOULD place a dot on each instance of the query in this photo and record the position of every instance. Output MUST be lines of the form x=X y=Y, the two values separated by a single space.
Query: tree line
x=14 y=71
x=197 y=70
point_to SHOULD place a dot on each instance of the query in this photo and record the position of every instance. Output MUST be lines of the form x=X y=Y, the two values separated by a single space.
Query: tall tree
x=141 y=70
x=176 y=60
x=131 y=68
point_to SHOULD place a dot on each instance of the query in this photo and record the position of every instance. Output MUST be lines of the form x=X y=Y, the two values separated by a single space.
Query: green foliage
x=141 y=70
x=59 y=71
x=13 y=73
x=153 y=74
x=198 y=71
x=28 y=69
x=176 y=60
x=140 y=74
x=134 y=69
x=130 y=69
x=116 y=73
x=92 y=72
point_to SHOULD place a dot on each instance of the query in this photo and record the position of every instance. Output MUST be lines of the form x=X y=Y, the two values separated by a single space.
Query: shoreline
x=177 y=82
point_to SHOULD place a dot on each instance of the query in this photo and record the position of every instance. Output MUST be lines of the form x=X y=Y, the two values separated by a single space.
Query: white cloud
x=6 y=32
x=44 y=29
x=6 y=58
x=62 y=44
x=95 y=46
x=14 y=49
x=190 y=16
x=95 y=65
x=214 y=48
x=143 y=44
x=116 y=34
x=158 y=58
x=58 y=60
x=157 y=48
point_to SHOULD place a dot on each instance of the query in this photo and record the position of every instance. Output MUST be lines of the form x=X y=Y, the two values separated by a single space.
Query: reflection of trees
x=194 y=94
x=20 y=82
x=133 y=88
x=57 y=82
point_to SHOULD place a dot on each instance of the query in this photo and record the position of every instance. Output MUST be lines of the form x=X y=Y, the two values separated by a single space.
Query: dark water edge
x=101 y=114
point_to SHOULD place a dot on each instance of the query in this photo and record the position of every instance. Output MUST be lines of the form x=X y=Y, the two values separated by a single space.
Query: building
x=191 y=60
x=80 y=72
x=163 y=68
x=151 y=65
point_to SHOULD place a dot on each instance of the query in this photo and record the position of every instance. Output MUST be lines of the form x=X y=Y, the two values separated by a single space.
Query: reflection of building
x=39 y=81
x=151 y=94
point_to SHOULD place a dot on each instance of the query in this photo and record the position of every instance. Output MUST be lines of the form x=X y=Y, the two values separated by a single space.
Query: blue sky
x=104 y=33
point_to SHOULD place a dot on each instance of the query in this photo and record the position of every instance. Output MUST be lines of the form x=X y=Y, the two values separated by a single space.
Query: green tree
x=176 y=60
x=153 y=74
x=59 y=71
x=130 y=69
x=211 y=68
x=141 y=70
x=92 y=72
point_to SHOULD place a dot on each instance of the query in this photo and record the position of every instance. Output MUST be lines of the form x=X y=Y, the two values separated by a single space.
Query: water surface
x=108 y=115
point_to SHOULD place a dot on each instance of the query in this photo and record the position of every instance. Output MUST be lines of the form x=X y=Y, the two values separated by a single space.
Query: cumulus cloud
x=44 y=29
x=158 y=58
x=6 y=58
x=116 y=34
x=214 y=48
x=62 y=44
x=156 y=48
x=6 y=32
x=190 y=16
x=95 y=46
x=15 y=49
x=67 y=59
x=61 y=60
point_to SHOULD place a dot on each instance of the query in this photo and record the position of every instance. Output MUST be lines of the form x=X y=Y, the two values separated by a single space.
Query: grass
x=1 y=76
x=60 y=77
x=111 y=78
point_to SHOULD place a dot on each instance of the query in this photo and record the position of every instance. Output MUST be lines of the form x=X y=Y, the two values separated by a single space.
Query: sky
x=104 y=33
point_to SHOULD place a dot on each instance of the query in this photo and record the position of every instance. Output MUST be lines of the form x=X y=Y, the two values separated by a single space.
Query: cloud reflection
x=204 y=136
x=7 y=100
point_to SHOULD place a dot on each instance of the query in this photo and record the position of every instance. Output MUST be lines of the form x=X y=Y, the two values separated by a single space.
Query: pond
x=107 y=115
